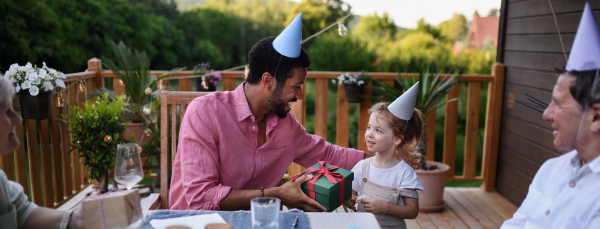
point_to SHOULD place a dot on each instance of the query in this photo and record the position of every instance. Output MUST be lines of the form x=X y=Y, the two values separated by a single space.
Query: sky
x=406 y=13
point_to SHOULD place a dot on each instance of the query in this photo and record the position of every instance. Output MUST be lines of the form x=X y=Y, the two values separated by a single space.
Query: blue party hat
x=585 y=53
x=288 y=42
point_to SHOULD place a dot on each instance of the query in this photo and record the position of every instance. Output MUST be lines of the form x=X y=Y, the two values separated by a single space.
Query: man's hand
x=291 y=195
x=413 y=159
x=374 y=206
x=77 y=219
x=350 y=203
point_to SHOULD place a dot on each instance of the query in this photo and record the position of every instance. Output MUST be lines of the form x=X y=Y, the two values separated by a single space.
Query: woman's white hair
x=7 y=90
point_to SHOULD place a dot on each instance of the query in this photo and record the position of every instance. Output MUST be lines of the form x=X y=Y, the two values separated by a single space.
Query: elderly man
x=565 y=192
x=234 y=146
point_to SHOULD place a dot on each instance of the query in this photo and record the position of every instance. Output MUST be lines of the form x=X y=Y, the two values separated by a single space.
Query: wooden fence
x=51 y=175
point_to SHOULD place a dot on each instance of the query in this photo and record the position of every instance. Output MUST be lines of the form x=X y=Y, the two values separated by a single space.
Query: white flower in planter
x=26 y=84
x=32 y=76
x=34 y=90
x=36 y=81
x=60 y=83
x=18 y=87
x=42 y=74
x=48 y=86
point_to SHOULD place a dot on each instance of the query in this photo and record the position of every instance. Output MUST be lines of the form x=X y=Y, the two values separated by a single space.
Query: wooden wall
x=530 y=47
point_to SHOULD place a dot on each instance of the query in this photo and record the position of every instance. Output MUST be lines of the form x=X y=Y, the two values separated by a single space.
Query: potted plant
x=433 y=88
x=354 y=84
x=208 y=80
x=96 y=133
x=141 y=88
x=35 y=86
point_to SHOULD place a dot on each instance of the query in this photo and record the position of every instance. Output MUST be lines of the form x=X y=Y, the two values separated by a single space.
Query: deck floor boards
x=467 y=208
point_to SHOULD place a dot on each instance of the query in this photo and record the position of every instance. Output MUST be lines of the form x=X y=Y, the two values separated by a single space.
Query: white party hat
x=404 y=105
x=585 y=53
x=288 y=41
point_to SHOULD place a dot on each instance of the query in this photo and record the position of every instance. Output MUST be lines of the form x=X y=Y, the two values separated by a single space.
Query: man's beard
x=277 y=105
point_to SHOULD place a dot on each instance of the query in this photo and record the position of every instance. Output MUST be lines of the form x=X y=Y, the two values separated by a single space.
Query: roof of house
x=482 y=28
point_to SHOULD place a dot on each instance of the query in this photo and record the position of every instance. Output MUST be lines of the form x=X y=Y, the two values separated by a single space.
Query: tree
x=317 y=14
x=373 y=27
x=494 y=12
x=331 y=52
x=454 y=29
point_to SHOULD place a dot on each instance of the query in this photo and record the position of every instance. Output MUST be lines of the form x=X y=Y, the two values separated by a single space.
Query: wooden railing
x=51 y=175
x=492 y=119
x=42 y=164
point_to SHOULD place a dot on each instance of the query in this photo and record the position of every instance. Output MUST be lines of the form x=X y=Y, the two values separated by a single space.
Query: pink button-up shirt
x=218 y=151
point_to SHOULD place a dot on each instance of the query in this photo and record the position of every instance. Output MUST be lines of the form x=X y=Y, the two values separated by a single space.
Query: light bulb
x=342 y=29
x=148 y=90
x=80 y=87
x=146 y=110
x=60 y=101
x=148 y=132
x=160 y=84
x=121 y=82
x=107 y=138
x=246 y=72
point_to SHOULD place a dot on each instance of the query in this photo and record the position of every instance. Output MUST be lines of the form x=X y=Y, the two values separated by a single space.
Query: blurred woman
x=15 y=210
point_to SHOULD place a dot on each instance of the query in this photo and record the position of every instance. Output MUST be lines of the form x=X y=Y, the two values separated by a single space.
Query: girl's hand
x=374 y=206
x=350 y=203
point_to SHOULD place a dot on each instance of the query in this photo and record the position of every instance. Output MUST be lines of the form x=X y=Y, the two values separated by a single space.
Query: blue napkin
x=239 y=219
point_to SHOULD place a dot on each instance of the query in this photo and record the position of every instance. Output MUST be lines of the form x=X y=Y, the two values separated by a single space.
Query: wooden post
x=450 y=127
x=34 y=162
x=95 y=65
x=75 y=169
x=164 y=148
x=185 y=84
x=343 y=118
x=56 y=153
x=229 y=84
x=299 y=108
x=46 y=159
x=20 y=161
x=65 y=145
x=321 y=107
x=492 y=129
x=430 y=130
x=472 y=130
x=363 y=121
x=82 y=168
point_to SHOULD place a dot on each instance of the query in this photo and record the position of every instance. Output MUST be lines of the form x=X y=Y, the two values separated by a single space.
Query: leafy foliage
x=96 y=132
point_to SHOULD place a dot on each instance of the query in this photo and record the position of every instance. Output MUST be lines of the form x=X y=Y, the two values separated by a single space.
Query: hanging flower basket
x=35 y=107
x=354 y=92
x=208 y=80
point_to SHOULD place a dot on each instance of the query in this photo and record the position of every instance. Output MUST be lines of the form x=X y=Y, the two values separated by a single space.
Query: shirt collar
x=594 y=165
x=241 y=103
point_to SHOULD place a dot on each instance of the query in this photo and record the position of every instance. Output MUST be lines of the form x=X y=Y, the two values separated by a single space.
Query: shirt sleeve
x=313 y=148
x=518 y=220
x=19 y=200
x=410 y=180
x=357 y=170
x=199 y=157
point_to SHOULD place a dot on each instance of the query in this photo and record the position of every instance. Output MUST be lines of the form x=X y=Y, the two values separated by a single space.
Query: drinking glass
x=128 y=165
x=265 y=212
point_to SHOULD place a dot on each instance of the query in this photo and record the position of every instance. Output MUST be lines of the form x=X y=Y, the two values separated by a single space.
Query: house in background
x=530 y=47
x=481 y=30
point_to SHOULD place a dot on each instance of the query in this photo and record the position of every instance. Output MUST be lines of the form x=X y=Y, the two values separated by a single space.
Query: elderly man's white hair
x=7 y=90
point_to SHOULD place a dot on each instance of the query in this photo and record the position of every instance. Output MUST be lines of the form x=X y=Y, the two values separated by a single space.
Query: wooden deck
x=467 y=208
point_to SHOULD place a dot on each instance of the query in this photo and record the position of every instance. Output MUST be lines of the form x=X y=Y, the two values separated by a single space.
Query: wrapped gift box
x=113 y=209
x=326 y=192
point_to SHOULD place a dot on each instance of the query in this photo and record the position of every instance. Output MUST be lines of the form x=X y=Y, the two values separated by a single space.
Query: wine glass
x=128 y=165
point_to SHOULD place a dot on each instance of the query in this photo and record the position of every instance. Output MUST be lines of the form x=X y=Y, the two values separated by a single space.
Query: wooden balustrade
x=51 y=175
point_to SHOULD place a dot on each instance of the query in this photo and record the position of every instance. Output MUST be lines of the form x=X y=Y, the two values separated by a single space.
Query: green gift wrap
x=331 y=186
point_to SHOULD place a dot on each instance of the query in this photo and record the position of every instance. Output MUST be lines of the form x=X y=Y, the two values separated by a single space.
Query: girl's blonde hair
x=412 y=134
x=7 y=91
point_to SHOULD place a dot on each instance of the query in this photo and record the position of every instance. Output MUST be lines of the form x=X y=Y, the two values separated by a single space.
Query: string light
x=80 y=86
x=148 y=132
x=121 y=82
x=246 y=72
x=60 y=101
x=204 y=82
x=146 y=110
x=160 y=84
x=148 y=90
x=342 y=29
x=107 y=138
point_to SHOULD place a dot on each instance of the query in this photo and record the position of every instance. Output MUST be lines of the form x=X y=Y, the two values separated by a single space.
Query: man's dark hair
x=582 y=86
x=264 y=58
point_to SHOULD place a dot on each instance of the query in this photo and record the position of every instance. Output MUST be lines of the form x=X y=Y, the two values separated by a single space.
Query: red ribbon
x=323 y=171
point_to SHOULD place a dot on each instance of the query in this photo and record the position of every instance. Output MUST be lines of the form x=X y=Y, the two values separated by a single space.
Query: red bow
x=323 y=171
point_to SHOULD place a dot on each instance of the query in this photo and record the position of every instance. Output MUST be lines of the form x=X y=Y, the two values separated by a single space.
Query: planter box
x=434 y=182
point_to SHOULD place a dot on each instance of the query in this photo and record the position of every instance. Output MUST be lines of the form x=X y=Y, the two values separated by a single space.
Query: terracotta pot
x=137 y=129
x=434 y=182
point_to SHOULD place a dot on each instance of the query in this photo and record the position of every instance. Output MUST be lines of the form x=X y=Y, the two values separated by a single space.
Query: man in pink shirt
x=233 y=144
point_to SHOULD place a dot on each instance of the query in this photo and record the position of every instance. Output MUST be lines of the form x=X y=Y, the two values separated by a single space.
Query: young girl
x=384 y=184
